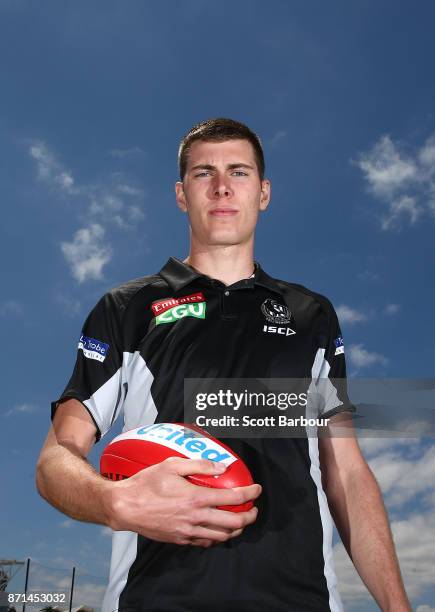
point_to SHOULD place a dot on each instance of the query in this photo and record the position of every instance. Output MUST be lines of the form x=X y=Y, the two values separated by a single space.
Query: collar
x=179 y=274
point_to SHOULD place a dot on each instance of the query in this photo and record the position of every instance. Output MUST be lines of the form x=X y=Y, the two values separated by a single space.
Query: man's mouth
x=223 y=212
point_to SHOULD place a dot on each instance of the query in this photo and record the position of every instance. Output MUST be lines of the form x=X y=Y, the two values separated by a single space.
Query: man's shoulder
x=124 y=293
x=306 y=294
x=118 y=298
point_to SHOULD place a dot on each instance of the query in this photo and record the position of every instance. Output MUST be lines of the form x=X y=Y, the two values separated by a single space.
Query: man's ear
x=265 y=194
x=180 y=197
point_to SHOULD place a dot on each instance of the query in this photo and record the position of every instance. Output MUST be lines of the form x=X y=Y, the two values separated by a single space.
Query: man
x=173 y=550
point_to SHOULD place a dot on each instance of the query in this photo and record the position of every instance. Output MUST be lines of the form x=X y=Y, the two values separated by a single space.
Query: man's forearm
x=69 y=482
x=359 y=514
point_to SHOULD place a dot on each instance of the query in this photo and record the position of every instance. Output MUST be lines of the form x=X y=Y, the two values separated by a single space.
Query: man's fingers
x=215 y=535
x=227 y=497
x=187 y=467
x=209 y=496
x=228 y=521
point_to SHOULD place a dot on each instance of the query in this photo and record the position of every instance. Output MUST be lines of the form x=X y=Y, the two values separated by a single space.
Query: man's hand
x=157 y=502
x=160 y=504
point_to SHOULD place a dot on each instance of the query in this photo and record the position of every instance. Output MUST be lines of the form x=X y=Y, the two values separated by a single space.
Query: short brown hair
x=219 y=130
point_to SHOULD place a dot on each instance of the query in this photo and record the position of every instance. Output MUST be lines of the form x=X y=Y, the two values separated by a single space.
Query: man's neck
x=226 y=264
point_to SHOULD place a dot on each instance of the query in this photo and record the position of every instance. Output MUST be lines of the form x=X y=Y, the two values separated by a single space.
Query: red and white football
x=142 y=447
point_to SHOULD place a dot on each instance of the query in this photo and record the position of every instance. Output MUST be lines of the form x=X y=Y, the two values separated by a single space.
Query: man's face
x=222 y=192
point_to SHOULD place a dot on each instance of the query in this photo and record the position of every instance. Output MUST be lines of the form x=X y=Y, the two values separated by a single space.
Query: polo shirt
x=138 y=344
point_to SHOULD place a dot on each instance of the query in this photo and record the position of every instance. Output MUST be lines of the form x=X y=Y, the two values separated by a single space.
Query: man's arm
x=64 y=477
x=158 y=502
x=356 y=505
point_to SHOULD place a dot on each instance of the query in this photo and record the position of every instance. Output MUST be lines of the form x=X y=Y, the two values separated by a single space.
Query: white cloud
x=129 y=190
x=375 y=445
x=66 y=524
x=405 y=182
x=395 y=464
x=107 y=204
x=20 y=409
x=427 y=155
x=135 y=214
x=425 y=608
x=11 y=308
x=111 y=209
x=49 y=169
x=120 y=222
x=392 y=309
x=386 y=170
x=25 y=408
x=413 y=539
x=87 y=590
x=88 y=253
x=361 y=357
x=396 y=475
x=404 y=206
x=350 y=315
x=415 y=427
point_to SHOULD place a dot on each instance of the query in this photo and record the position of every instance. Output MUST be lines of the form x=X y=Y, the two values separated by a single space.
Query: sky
x=95 y=97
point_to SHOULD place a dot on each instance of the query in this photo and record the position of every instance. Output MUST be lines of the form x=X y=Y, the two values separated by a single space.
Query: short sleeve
x=97 y=377
x=330 y=367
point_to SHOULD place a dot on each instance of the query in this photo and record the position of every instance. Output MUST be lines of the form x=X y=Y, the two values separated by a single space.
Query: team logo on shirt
x=280 y=315
x=275 y=312
x=93 y=349
x=339 y=345
x=170 y=310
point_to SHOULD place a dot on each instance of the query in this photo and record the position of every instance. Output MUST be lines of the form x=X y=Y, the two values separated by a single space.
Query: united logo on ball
x=140 y=448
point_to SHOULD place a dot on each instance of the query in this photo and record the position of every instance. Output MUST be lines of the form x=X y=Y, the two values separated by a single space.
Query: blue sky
x=95 y=98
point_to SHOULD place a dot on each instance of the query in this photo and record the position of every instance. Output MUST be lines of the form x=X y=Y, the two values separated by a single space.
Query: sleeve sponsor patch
x=339 y=345
x=92 y=348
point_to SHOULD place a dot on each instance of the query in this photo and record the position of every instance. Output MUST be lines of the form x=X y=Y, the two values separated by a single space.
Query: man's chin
x=226 y=237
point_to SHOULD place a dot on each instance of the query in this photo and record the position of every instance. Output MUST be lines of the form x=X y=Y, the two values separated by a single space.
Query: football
x=142 y=447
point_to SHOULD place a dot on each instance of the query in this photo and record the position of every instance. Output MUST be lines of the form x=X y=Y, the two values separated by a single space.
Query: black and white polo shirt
x=137 y=346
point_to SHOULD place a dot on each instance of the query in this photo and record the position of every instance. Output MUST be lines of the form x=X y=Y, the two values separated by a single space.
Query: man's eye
x=208 y=173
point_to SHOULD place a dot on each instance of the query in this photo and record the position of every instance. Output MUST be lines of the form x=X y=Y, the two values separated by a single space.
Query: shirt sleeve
x=331 y=377
x=96 y=381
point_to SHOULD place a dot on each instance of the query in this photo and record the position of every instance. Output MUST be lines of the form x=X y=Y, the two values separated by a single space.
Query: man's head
x=219 y=130
x=222 y=185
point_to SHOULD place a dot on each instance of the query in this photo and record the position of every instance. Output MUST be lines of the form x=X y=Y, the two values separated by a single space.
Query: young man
x=173 y=550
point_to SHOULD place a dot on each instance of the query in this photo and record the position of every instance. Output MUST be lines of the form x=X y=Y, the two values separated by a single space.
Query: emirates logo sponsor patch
x=170 y=309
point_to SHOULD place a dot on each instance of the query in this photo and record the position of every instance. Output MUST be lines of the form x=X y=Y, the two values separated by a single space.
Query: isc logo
x=180 y=311
x=273 y=329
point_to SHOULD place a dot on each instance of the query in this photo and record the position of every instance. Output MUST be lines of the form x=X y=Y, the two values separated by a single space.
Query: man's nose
x=221 y=186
